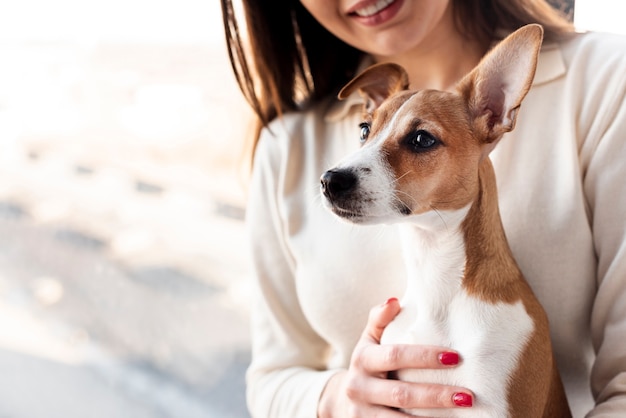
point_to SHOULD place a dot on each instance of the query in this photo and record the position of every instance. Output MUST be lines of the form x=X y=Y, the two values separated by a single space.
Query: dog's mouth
x=347 y=213
x=357 y=213
x=358 y=216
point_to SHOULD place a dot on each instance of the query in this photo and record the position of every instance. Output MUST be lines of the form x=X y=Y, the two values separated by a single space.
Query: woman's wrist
x=328 y=405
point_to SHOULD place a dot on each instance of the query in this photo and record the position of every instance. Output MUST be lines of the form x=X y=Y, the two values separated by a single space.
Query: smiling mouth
x=373 y=9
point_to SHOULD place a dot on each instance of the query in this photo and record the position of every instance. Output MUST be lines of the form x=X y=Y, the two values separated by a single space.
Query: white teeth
x=373 y=9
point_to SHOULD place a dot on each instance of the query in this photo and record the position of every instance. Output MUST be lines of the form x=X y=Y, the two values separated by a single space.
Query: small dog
x=425 y=165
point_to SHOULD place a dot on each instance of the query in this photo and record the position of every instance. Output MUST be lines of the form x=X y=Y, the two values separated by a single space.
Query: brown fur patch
x=492 y=274
x=423 y=179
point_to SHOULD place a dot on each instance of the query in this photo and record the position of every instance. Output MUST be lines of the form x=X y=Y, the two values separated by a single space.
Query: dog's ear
x=495 y=89
x=376 y=83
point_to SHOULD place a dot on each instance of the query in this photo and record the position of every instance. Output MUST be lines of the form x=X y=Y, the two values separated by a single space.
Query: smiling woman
x=558 y=207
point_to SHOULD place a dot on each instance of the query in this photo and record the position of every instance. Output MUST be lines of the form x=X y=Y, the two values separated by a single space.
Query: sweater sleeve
x=287 y=373
x=604 y=154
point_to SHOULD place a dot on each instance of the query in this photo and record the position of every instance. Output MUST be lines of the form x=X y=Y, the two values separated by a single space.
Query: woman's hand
x=364 y=389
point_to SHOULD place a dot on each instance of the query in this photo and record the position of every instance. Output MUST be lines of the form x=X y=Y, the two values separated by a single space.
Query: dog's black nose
x=337 y=183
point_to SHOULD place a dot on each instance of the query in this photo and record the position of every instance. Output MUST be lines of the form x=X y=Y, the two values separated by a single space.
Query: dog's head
x=422 y=149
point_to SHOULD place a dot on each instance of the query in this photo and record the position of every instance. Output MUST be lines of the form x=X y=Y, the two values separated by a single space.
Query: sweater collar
x=550 y=66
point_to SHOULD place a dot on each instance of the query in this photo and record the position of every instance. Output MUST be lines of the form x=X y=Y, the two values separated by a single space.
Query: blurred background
x=123 y=260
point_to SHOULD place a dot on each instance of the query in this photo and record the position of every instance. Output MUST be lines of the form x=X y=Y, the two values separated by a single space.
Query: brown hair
x=290 y=62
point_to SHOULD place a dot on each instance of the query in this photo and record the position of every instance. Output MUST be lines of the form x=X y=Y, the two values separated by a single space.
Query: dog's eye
x=422 y=140
x=365 y=131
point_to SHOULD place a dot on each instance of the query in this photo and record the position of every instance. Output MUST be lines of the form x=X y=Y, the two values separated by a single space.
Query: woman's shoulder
x=295 y=125
x=310 y=127
x=595 y=83
x=602 y=40
x=595 y=50
x=589 y=65
x=302 y=136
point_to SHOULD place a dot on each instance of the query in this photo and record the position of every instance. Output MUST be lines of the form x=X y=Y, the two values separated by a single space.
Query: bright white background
x=182 y=20
x=601 y=15
x=169 y=21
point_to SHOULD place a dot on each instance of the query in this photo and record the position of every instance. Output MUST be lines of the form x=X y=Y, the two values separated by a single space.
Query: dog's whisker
x=403 y=175
x=404 y=194
x=443 y=220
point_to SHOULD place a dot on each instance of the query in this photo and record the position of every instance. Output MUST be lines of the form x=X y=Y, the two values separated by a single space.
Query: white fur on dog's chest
x=490 y=340
x=489 y=337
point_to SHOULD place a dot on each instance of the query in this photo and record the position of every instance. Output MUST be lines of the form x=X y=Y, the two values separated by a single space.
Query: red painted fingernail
x=462 y=399
x=391 y=300
x=449 y=358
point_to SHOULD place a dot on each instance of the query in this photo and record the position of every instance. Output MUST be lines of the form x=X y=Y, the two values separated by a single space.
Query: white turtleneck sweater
x=562 y=191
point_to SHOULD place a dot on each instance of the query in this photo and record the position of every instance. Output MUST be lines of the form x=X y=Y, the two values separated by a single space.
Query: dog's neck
x=459 y=251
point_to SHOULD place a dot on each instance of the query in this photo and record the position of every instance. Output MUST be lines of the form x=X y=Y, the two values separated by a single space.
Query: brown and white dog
x=425 y=165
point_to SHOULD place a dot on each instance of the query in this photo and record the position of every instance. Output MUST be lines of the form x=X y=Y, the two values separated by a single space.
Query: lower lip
x=381 y=17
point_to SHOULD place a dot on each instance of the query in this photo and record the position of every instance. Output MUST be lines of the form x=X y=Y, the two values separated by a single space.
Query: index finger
x=379 y=318
x=375 y=358
x=388 y=357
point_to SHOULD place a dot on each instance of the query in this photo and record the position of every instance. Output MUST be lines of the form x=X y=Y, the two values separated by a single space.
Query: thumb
x=379 y=317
